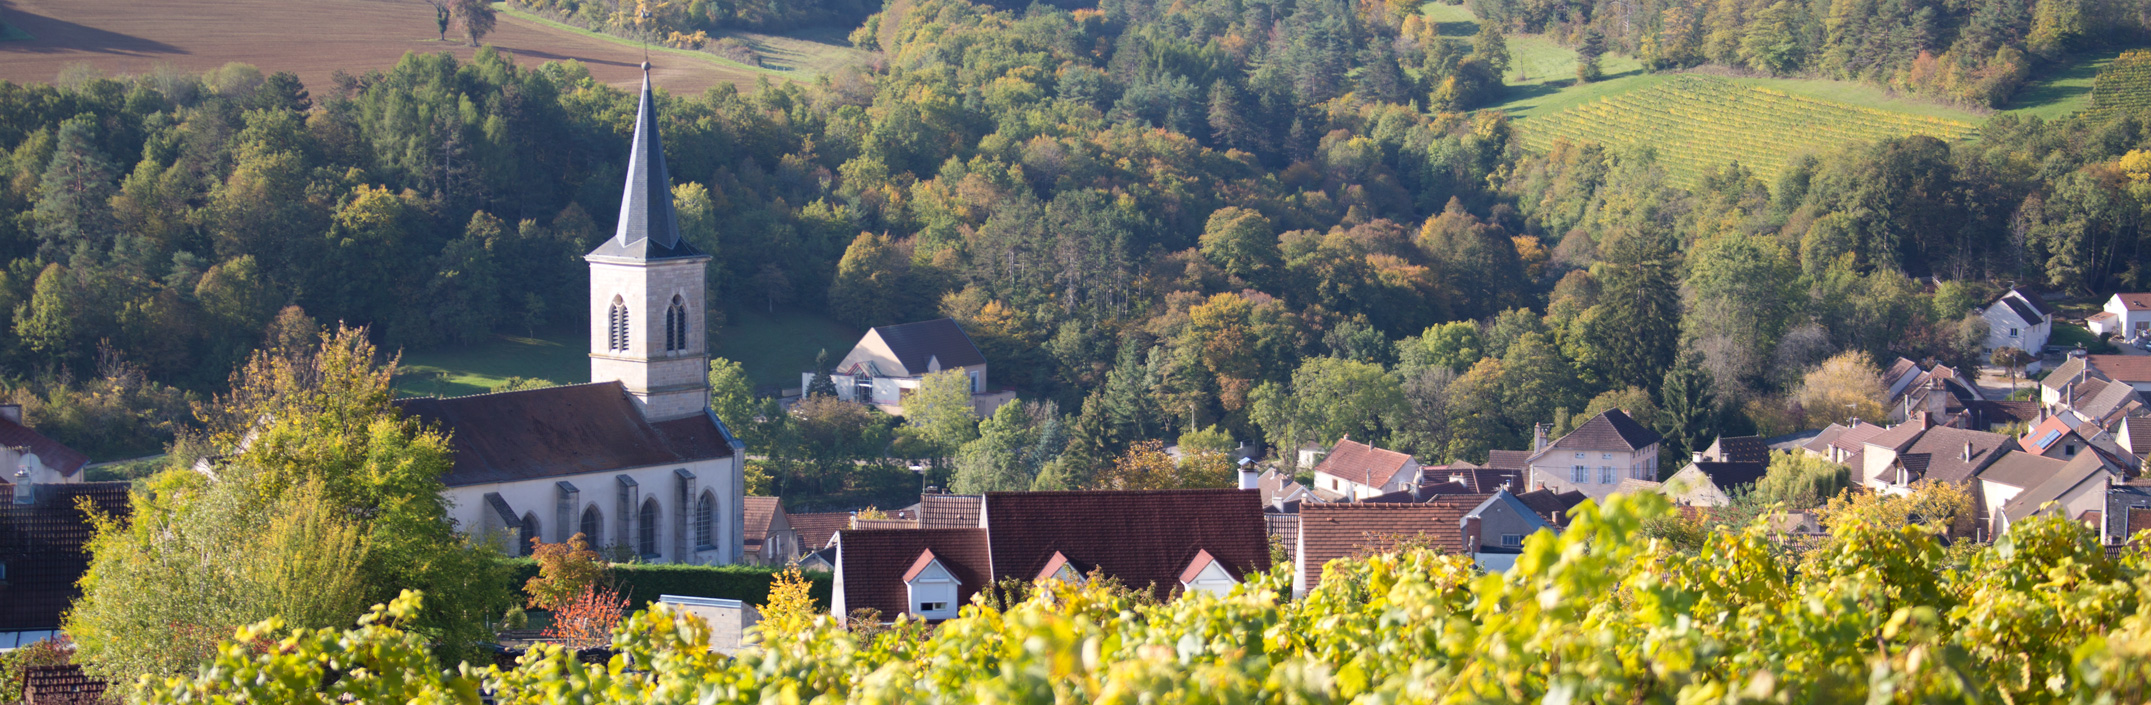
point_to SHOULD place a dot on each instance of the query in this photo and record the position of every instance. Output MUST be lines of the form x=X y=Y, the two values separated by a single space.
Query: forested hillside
x=1275 y=217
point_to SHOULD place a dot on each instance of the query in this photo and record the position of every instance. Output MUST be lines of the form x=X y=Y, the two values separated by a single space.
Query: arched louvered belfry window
x=706 y=519
x=593 y=522
x=530 y=532
x=676 y=325
x=646 y=540
x=616 y=333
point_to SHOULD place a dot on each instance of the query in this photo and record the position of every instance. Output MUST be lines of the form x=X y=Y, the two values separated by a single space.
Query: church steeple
x=648 y=229
x=647 y=328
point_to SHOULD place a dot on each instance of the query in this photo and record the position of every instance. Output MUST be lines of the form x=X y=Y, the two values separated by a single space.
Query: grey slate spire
x=648 y=229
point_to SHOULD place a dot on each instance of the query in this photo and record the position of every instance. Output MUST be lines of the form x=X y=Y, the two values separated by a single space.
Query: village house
x=2077 y=490
x=1712 y=483
x=1598 y=456
x=2018 y=319
x=1842 y=444
x=1496 y=529
x=1164 y=541
x=768 y=535
x=27 y=456
x=634 y=460
x=890 y=362
x=1937 y=454
x=2125 y=316
x=1355 y=471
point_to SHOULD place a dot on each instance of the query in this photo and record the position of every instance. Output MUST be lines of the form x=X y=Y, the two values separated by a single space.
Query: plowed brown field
x=311 y=38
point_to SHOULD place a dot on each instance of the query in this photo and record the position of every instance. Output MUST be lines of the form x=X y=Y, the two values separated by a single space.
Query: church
x=635 y=460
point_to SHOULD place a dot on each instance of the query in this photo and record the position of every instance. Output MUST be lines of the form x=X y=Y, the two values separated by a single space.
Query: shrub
x=642 y=583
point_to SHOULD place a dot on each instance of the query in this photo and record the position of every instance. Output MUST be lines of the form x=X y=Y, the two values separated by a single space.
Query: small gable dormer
x=1061 y=569
x=931 y=588
x=1206 y=574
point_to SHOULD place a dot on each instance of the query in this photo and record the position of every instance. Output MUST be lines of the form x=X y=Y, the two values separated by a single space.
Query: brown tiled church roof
x=559 y=431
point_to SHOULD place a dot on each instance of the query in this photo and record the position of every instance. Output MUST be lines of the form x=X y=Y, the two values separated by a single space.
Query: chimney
x=25 y=493
x=1538 y=437
x=1249 y=479
x=1698 y=456
x=1967 y=452
x=11 y=412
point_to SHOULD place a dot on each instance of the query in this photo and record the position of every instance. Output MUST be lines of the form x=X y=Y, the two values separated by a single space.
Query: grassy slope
x=805 y=54
x=2064 y=91
x=774 y=349
x=557 y=356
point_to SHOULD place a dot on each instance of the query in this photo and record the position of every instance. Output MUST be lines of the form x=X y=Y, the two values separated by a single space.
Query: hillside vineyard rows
x=2124 y=86
x=1699 y=124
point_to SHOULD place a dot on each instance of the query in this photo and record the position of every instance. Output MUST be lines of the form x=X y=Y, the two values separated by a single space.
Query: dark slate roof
x=1730 y=475
x=1142 y=538
x=1362 y=463
x=1332 y=531
x=815 y=529
x=873 y=563
x=1547 y=503
x=50 y=452
x=648 y=228
x=1611 y=429
x=1479 y=480
x=41 y=543
x=1943 y=449
x=950 y=511
x=560 y=431
x=1508 y=459
x=915 y=343
x=2024 y=312
x=2038 y=302
x=1742 y=449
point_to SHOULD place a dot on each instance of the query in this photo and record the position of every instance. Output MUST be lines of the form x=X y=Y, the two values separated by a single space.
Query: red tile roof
x=758 y=513
x=557 y=431
x=815 y=529
x=2134 y=369
x=876 y=563
x=1332 y=531
x=1142 y=538
x=1362 y=463
x=2135 y=302
x=42 y=545
x=1943 y=449
x=1202 y=560
x=51 y=453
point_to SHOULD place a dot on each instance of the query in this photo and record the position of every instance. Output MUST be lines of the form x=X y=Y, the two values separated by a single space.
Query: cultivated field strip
x=1700 y=123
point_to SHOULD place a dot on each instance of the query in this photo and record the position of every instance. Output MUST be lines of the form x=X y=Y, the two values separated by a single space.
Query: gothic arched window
x=706 y=519
x=616 y=334
x=676 y=325
x=646 y=541
x=530 y=532
x=592 y=522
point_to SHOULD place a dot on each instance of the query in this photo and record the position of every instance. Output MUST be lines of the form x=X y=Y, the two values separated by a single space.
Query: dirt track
x=311 y=38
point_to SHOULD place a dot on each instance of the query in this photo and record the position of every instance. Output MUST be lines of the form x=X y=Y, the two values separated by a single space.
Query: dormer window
x=1206 y=574
x=1059 y=568
x=930 y=587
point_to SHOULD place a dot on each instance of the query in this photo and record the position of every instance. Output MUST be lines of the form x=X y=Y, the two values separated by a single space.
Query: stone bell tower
x=647 y=326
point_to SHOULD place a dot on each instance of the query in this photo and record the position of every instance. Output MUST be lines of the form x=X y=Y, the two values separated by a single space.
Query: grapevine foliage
x=1600 y=613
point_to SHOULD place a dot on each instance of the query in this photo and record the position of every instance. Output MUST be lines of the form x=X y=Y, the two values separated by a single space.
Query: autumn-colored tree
x=1846 y=387
x=565 y=571
x=587 y=621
